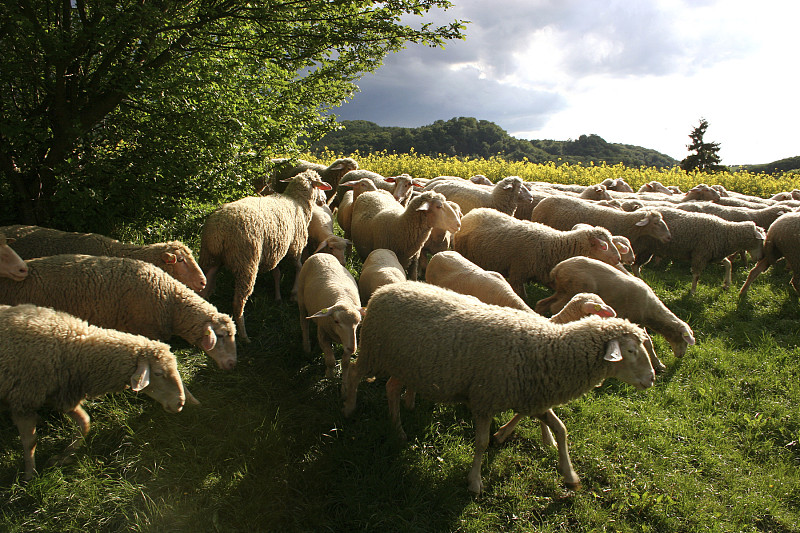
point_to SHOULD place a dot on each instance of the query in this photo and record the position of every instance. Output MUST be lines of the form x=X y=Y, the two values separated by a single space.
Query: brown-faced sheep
x=258 y=232
x=128 y=295
x=174 y=257
x=51 y=358
x=492 y=358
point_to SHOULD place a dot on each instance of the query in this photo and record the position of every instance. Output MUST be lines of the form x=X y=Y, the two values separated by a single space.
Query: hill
x=467 y=136
x=776 y=167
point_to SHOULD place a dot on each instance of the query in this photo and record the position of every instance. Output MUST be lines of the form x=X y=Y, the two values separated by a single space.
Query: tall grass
x=714 y=446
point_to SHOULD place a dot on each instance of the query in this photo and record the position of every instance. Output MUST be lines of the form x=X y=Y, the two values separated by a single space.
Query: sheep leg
x=517 y=282
x=304 y=328
x=345 y=366
x=564 y=463
x=543 y=304
x=276 y=279
x=393 y=389
x=297 y=266
x=327 y=352
x=760 y=267
x=413 y=268
x=243 y=288
x=409 y=398
x=26 y=425
x=84 y=423
x=211 y=279
x=728 y=271
x=350 y=388
x=482 y=427
x=505 y=431
x=658 y=366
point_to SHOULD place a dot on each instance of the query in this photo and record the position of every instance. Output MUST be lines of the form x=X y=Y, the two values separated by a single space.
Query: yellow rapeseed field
x=495 y=168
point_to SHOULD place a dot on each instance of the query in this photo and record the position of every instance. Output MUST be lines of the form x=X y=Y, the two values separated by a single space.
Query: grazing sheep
x=128 y=295
x=655 y=186
x=623 y=245
x=762 y=217
x=283 y=171
x=701 y=238
x=564 y=212
x=344 y=211
x=630 y=297
x=400 y=187
x=381 y=222
x=380 y=268
x=491 y=358
x=11 y=265
x=174 y=257
x=258 y=231
x=783 y=240
x=503 y=196
x=51 y=358
x=480 y=179
x=522 y=250
x=618 y=185
x=328 y=294
x=321 y=237
x=595 y=192
x=701 y=193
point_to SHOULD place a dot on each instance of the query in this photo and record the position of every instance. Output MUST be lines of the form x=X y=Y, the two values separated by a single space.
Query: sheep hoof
x=573 y=485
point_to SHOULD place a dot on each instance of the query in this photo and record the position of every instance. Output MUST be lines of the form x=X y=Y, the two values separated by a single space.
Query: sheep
x=655 y=186
x=701 y=238
x=381 y=222
x=762 y=217
x=380 y=268
x=11 y=265
x=52 y=358
x=623 y=246
x=173 y=257
x=480 y=179
x=595 y=192
x=282 y=173
x=400 y=187
x=702 y=193
x=321 y=237
x=438 y=241
x=328 y=294
x=491 y=358
x=523 y=250
x=258 y=231
x=344 y=211
x=783 y=240
x=563 y=212
x=630 y=297
x=618 y=185
x=128 y=295
x=503 y=196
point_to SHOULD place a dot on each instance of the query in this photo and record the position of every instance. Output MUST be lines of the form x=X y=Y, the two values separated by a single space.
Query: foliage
x=706 y=154
x=157 y=103
x=776 y=167
x=469 y=137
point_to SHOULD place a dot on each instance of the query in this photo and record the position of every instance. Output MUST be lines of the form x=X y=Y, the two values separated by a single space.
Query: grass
x=714 y=446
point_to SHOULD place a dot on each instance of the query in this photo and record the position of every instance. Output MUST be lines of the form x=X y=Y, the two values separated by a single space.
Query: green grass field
x=714 y=446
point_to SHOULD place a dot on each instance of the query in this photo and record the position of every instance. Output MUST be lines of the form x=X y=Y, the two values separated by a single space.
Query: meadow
x=714 y=446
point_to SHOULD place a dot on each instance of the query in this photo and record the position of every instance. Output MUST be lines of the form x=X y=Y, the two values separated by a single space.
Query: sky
x=641 y=72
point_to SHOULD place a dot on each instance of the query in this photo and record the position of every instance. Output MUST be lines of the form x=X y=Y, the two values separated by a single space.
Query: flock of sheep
x=82 y=314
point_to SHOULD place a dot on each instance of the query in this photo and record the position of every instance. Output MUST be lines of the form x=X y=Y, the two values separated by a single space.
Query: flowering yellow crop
x=495 y=168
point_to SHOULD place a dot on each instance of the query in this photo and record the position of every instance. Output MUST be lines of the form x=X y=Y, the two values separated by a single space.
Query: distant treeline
x=469 y=137
x=776 y=167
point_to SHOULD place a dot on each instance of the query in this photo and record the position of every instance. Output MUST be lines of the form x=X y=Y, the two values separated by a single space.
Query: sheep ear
x=209 y=339
x=141 y=378
x=689 y=337
x=623 y=249
x=363 y=311
x=391 y=179
x=425 y=206
x=643 y=222
x=190 y=397
x=10 y=240
x=322 y=185
x=599 y=310
x=287 y=180
x=613 y=351
x=325 y=311
x=169 y=258
x=321 y=245
x=603 y=245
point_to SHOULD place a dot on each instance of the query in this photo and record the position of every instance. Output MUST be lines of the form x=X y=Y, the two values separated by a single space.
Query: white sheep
x=762 y=217
x=783 y=240
x=623 y=246
x=491 y=358
x=51 y=358
x=438 y=241
x=328 y=294
x=701 y=238
x=11 y=264
x=380 y=268
x=400 y=187
x=503 y=196
x=258 y=232
x=630 y=297
x=128 y=295
x=174 y=257
x=618 y=185
x=344 y=211
x=655 y=186
x=523 y=250
x=283 y=170
x=321 y=237
x=381 y=222
x=595 y=192
x=564 y=212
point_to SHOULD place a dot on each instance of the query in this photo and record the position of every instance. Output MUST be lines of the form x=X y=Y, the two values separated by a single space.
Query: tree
x=154 y=101
x=706 y=155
